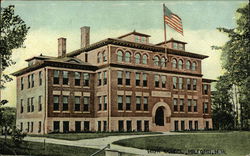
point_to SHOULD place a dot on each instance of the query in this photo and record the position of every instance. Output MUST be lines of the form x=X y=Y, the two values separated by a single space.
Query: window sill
x=65 y=85
x=77 y=112
x=85 y=112
x=65 y=111
x=56 y=112
x=121 y=111
x=129 y=111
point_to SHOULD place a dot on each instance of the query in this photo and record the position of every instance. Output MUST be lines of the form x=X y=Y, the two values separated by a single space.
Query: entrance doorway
x=159 y=117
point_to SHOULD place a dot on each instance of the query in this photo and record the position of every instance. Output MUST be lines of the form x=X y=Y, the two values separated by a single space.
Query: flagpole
x=165 y=31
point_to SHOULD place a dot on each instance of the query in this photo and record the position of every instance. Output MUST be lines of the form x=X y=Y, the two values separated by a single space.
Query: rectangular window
x=176 y=125
x=31 y=126
x=28 y=126
x=99 y=103
x=189 y=105
x=181 y=105
x=119 y=77
x=128 y=102
x=194 y=84
x=86 y=104
x=138 y=103
x=190 y=125
x=40 y=78
x=120 y=126
x=77 y=79
x=99 y=79
x=32 y=80
x=195 y=105
x=157 y=84
x=21 y=106
x=205 y=107
x=188 y=84
x=137 y=79
x=104 y=126
x=146 y=126
x=105 y=102
x=56 y=103
x=207 y=125
x=40 y=103
x=56 y=126
x=182 y=125
x=78 y=126
x=175 y=103
x=129 y=125
x=163 y=81
x=205 y=89
x=39 y=127
x=21 y=126
x=104 y=77
x=56 y=77
x=28 y=105
x=86 y=126
x=120 y=102
x=145 y=80
x=85 y=79
x=65 y=77
x=65 y=103
x=138 y=125
x=77 y=103
x=29 y=84
x=22 y=84
x=128 y=78
x=32 y=104
x=196 y=125
x=99 y=125
x=180 y=83
x=65 y=126
x=145 y=103
x=174 y=82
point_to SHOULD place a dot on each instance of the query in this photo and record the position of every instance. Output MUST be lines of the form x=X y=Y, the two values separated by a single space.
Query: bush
x=17 y=136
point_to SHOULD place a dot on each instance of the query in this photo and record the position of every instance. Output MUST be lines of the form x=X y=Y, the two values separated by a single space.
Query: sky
x=50 y=20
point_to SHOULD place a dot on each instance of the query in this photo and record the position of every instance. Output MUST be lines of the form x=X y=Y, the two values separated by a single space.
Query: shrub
x=17 y=136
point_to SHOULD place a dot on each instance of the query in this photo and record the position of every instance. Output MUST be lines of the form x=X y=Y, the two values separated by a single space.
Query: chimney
x=61 y=47
x=85 y=36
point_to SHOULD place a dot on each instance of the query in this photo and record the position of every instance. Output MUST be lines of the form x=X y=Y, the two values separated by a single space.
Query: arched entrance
x=159 y=117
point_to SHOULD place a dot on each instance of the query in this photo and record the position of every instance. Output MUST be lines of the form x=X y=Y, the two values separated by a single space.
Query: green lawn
x=232 y=143
x=37 y=149
x=79 y=136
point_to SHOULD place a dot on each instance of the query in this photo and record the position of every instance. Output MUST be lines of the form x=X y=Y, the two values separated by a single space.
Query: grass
x=37 y=149
x=79 y=136
x=232 y=143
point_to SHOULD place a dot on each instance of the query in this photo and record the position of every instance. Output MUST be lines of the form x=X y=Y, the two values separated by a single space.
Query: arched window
x=193 y=66
x=144 y=59
x=174 y=63
x=99 y=56
x=127 y=57
x=119 y=56
x=156 y=61
x=104 y=55
x=163 y=62
x=137 y=58
x=188 y=65
x=180 y=64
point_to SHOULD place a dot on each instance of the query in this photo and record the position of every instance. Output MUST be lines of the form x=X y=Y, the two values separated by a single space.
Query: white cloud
x=45 y=42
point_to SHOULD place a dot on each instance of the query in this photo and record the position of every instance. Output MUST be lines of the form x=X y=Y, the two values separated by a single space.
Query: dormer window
x=175 y=45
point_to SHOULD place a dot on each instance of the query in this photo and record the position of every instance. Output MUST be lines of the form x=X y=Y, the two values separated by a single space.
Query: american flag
x=172 y=20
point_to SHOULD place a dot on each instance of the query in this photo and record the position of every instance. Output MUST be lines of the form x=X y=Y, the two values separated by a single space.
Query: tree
x=13 y=31
x=236 y=62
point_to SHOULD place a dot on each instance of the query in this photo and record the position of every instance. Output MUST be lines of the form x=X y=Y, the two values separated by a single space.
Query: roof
x=66 y=62
x=171 y=40
x=208 y=80
x=40 y=57
x=143 y=46
x=135 y=33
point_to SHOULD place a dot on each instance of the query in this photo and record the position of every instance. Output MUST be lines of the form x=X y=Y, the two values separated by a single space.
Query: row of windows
x=179 y=105
x=64 y=100
x=190 y=125
x=30 y=104
x=129 y=126
x=102 y=78
x=180 y=65
x=178 y=83
x=80 y=79
x=79 y=126
x=102 y=103
x=31 y=80
x=102 y=57
x=124 y=103
x=30 y=127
